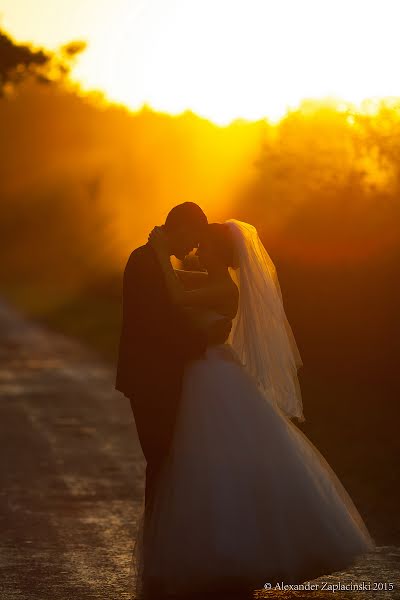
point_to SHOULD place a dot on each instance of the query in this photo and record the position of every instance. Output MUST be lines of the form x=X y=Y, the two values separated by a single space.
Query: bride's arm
x=174 y=286
x=192 y=279
x=202 y=296
x=218 y=331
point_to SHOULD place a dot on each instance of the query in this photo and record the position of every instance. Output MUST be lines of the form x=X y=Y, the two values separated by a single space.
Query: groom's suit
x=156 y=340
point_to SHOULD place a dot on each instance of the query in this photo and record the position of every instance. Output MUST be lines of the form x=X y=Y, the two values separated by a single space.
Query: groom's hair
x=185 y=215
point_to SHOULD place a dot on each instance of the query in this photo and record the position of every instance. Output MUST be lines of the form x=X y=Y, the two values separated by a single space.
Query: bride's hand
x=158 y=241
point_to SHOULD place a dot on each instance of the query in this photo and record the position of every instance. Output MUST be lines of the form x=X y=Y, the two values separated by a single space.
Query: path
x=73 y=475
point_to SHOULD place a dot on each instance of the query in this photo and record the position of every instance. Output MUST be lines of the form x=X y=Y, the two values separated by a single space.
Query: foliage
x=19 y=61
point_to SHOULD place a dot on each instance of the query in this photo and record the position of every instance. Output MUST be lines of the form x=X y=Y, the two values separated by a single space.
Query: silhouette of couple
x=236 y=495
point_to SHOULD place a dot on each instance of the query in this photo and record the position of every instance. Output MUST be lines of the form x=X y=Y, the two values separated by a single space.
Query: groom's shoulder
x=140 y=253
x=139 y=257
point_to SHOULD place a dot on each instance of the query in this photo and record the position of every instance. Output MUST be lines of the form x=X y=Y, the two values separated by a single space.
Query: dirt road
x=73 y=476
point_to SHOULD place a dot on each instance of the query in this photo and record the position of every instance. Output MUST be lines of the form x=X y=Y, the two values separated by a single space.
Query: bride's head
x=216 y=251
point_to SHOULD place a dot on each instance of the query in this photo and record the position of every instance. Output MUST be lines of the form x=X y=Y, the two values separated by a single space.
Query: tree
x=18 y=61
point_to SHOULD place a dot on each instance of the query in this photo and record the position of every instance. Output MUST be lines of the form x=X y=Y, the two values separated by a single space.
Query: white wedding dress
x=244 y=498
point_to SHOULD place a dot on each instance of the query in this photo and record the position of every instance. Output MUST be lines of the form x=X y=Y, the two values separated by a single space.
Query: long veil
x=261 y=334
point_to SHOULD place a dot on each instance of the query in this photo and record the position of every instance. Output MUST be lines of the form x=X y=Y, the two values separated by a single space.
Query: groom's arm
x=153 y=321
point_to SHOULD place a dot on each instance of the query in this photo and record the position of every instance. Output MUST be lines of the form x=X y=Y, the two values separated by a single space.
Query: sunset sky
x=223 y=59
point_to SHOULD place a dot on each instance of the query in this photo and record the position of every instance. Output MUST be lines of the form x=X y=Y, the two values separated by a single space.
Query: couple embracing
x=236 y=495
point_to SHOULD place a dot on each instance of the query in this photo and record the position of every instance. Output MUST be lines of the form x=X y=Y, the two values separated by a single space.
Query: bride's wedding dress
x=245 y=498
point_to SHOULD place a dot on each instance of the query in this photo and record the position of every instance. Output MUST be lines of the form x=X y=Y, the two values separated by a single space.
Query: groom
x=157 y=339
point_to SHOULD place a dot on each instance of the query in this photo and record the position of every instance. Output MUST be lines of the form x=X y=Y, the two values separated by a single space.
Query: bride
x=244 y=498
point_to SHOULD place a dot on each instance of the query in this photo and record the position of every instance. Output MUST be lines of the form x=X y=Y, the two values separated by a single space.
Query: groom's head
x=185 y=226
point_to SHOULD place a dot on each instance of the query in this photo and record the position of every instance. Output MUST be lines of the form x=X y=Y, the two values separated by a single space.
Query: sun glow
x=225 y=59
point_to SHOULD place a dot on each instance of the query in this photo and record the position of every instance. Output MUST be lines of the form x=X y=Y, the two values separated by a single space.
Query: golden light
x=223 y=59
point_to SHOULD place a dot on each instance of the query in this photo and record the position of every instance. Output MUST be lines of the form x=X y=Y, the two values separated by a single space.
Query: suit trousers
x=155 y=422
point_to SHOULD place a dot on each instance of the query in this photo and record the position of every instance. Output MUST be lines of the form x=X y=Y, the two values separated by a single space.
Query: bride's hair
x=221 y=240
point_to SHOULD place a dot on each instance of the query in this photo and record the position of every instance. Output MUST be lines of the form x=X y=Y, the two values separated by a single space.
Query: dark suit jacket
x=156 y=341
x=156 y=336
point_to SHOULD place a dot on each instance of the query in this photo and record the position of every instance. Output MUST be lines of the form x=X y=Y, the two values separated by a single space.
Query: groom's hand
x=158 y=240
x=219 y=331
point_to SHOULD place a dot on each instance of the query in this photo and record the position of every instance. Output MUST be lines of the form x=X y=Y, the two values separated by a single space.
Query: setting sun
x=221 y=59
